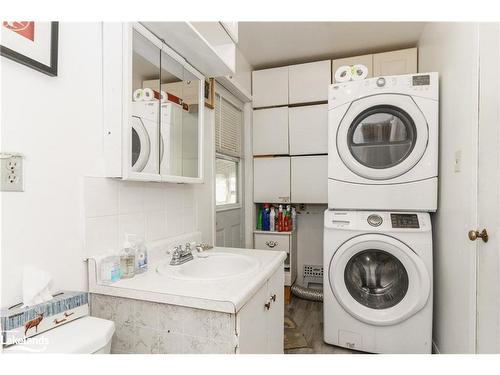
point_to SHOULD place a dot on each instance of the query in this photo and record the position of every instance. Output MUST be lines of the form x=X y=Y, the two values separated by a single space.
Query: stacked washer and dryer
x=382 y=184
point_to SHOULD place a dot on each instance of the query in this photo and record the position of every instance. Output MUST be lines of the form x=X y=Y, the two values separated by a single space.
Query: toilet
x=86 y=335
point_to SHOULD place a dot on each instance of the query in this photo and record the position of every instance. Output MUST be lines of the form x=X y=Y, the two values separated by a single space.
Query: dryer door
x=141 y=145
x=378 y=279
x=382 y=136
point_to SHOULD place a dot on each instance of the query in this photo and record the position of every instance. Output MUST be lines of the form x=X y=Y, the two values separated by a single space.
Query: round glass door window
x=376 y=279
x=382 y=136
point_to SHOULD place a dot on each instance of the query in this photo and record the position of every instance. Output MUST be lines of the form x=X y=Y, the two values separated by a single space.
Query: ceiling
x=270 y=44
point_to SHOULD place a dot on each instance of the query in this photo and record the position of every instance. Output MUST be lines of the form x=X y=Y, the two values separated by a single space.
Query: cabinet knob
x=273 y=298
x=267 y=305
x=272 y=244
x=474 y=235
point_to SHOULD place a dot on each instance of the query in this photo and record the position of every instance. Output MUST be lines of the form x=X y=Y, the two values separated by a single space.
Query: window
x=226 y=181
x=228 y=130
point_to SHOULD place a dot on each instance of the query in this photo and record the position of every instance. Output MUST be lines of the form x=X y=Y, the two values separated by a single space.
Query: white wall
x=56 y=122
x=452 y=50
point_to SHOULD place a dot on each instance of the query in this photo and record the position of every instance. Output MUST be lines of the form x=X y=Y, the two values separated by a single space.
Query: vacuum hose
x=307 y=293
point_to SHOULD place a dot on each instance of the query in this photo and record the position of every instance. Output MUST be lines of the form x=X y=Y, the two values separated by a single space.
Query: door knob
x=474 y=235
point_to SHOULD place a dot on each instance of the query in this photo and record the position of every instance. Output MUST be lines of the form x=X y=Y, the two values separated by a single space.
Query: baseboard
x=435 y=349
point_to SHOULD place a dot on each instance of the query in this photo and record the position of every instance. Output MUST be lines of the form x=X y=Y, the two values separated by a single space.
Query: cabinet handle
x=267 y=305
x=273 y=298
x=272 y=244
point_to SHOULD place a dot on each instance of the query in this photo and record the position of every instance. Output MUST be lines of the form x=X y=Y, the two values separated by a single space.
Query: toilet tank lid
x=82 y=336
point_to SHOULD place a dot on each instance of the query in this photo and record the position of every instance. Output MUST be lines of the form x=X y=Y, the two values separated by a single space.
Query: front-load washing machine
x=378 y=281
x=145 y=137
x=383 y=143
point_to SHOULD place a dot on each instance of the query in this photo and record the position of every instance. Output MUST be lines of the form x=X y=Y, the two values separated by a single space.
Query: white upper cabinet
x=271 y=180
x=309 y=82
x=270 y=131
x=270 y=87
x=309 y=179
x=366 y=60
x=152 y=108
x=395 y=62
x=308 y=129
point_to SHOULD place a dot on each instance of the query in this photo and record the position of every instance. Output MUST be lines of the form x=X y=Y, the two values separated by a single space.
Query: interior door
x=488 y=265
x=228 y=228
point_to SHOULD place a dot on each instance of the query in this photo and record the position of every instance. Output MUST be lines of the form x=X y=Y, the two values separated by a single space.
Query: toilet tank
x=86 y=335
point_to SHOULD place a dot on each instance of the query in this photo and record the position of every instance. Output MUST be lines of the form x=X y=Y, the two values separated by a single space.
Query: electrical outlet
x=11 y=172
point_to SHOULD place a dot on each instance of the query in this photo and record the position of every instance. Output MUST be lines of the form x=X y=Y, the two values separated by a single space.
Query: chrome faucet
x=180 y=255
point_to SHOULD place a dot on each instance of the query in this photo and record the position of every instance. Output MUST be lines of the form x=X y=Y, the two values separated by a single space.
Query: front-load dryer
x=378 y=281
x=145 y=137
x=383 y=143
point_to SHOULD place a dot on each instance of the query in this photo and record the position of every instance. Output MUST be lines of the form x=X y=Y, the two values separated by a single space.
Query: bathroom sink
x=210 y=266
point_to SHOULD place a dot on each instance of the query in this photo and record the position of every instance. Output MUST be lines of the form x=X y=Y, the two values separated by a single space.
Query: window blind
x=228 y=124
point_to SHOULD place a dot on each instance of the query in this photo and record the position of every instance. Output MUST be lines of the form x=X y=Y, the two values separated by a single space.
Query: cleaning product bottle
x=127 y=258
x=272 y=220
x=265 y=217
x=109 y=269
x=141 y=256
x=294 y=219
x=259 y=218
x=280 y=218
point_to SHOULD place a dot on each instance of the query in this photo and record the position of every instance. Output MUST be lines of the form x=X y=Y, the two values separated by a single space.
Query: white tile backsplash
x=151 y=210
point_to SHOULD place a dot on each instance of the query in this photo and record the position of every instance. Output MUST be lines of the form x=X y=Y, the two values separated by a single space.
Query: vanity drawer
x=272 y=241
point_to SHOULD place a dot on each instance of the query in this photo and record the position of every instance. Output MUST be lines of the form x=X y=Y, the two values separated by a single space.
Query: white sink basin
x=210 y=266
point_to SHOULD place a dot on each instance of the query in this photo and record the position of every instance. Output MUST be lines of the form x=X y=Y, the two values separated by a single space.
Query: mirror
x=145 y=108
x=170 y=112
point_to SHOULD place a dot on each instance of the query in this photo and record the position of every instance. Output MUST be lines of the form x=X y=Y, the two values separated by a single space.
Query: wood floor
x=308 y=316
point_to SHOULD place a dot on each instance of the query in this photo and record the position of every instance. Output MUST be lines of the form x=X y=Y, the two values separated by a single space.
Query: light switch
x=11 y=172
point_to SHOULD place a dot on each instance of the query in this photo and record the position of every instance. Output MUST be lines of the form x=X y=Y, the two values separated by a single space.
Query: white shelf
x=205 y=45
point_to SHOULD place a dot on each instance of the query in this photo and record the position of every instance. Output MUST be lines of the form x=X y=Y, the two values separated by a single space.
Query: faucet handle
x=188 y=246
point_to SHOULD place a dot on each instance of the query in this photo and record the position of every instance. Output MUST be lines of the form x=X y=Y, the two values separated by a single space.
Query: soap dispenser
x=127 y=258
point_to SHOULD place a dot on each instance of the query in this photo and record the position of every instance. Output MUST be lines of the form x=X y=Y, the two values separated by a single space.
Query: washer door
x=141 y=145
x=382 y=136
x=378 y=279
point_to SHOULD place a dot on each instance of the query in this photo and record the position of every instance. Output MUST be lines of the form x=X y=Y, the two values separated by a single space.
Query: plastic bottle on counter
x=259 y=219
x=127 y=258
x=265 y=217
x=141 y=256
x=109 y=269
x=272 y=220
x=280 y=218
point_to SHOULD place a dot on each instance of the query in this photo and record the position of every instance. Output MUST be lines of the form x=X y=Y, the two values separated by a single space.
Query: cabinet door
x=270 y=87
x=270 y=131
x=308 y=129
x=271 y=180
x=396 y=62
x=366 y=60
x=276 y=313
x=252 y=324
x=309 y=82
x=309 y=179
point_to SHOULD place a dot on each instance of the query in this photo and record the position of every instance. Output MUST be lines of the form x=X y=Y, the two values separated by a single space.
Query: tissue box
x=18 y=323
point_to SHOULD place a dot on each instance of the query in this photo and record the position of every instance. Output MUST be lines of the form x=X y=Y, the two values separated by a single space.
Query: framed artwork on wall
x=31 y=43
x=210 y=93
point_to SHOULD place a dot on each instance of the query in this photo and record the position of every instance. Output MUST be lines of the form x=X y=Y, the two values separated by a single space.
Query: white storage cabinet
x=270 y=131
x=396 y=62
x=260 y=323
x=309 y=82
x=271 y=179
x=308 y=129
x=270 y=87
x=309 y=179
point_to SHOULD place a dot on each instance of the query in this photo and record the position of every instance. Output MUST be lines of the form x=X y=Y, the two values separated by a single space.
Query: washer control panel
x=404 y=221
x=374 y=220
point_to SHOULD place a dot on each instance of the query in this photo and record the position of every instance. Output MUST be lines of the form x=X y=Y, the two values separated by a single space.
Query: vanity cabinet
x=309 y=179
x=260 y=322
x=270 y=87
x=270 y=131
x=309 y=82
x=271 y=179
x=153 y=106
x=308 y=129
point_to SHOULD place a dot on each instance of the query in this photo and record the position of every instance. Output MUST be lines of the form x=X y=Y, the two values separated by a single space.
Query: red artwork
x=23 y=28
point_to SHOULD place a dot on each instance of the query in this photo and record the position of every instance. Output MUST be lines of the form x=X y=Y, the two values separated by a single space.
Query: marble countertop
x=224 y=295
